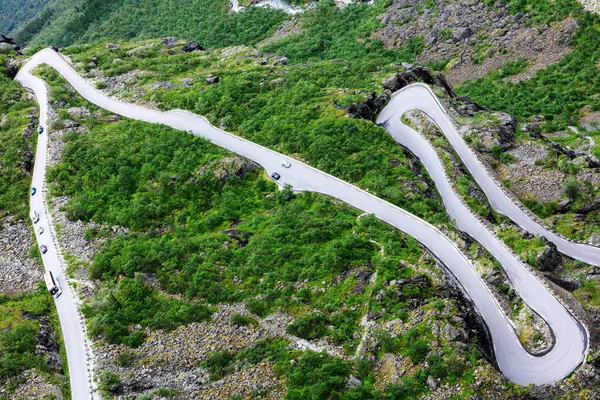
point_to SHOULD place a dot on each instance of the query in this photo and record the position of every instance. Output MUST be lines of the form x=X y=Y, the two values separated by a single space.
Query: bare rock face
x=550 y=259
x=370 y=108
x=506 y=130
x=418 y=74
x=191 y=46
x=12 y=68
x=45 y=340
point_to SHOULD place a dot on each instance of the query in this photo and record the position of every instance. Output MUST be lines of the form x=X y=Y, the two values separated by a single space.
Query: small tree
x=286 y=194
x=571 y=188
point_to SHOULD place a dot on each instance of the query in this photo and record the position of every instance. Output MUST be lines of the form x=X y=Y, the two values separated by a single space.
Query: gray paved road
x=421 y=97
x=514 y=361
x=73 y=334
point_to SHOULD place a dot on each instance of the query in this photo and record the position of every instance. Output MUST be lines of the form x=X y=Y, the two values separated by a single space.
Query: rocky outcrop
x=567 y=282
x=228 y=166
x=371 y=106
x=374 y=103
x=211 y=79
x=240 y=237
x=590 y=207
x=191 y=46
x=8 y=42
x=418 y=74
x=12 y=68
x=534 y=130
x=506 y=130
x=550 y=259
x=477 y=329
x=465 y=107
x=45 y=340
x=466 y=35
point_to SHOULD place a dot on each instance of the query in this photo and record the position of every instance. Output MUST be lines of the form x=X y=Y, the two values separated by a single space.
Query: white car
x=40 y=230
x=35 y=217
x=286 y=163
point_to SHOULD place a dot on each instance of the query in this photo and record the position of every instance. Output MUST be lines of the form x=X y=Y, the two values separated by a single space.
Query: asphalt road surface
x=72 y=330
x=571 y=340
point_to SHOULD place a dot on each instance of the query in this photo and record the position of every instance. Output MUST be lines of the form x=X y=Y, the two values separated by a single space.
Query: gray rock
x=169 y=42
x=550 y=259
x=432 y=383
x=191 y=46
x=506 y=130
x=211 y=79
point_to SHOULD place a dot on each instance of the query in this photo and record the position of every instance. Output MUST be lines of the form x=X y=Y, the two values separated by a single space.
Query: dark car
x=33 y=190
x=43 y=249
x=40 y=129
x=275 y=176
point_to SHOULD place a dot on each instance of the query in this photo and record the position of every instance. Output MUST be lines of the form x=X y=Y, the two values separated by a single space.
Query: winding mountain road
x=419 y=96
x=571 y=340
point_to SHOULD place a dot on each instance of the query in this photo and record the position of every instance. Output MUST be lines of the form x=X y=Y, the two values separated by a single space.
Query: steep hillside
x=201 y=279
x=32 y=361
x=66 y=22
x=13 y=14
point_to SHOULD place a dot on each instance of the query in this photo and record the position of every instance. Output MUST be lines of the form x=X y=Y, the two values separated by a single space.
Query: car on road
x=52 y=284
x=40 y=230
x=35 y=217
x=33 y=191
x=43 y=249
x=40 y=129
x=286 y=163
x=275 y=176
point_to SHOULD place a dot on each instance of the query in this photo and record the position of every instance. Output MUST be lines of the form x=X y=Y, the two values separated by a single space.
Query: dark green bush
x=310 y=326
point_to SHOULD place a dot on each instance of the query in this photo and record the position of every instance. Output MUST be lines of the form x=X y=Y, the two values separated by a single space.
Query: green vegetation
x=542 y=11
x=18 y=338
x=561 y=90
x=330 y=33
x=294 y=117
x=201 y=229
x=197 y=231
x=242 y=320
x=14 y=13
x=132 y=303
x=15 y=174
x=67 y=22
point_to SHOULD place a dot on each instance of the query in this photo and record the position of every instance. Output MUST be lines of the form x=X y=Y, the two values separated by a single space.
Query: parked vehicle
x=52 y=284
x=35 y=217
x=43 y=249
x=40 y=129
x=33 y=191
x=286 y=163
x=40 y=230
x=275 y=176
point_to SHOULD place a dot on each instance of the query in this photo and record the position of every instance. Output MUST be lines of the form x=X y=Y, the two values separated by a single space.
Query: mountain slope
x=14 y=13
x=66 y=22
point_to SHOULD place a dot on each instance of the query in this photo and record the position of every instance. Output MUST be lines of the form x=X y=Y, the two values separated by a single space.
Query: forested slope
x=14 y=13
x=66 y=22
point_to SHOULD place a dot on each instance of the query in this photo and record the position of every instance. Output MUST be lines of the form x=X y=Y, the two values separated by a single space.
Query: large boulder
x=12 y=68
x=7 y=40
x=506 y=130
x=550 y=259
x=191 y=46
